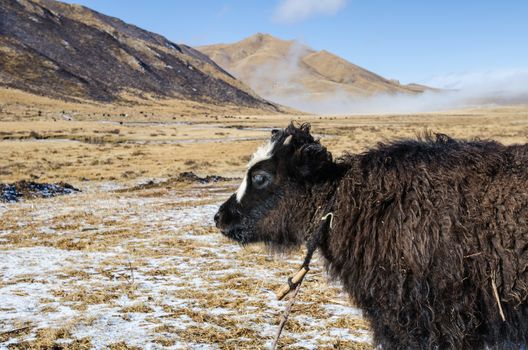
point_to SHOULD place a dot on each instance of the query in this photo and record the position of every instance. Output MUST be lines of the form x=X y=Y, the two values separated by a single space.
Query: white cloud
x=289 y=11
x=225 y=9
x=510 y=80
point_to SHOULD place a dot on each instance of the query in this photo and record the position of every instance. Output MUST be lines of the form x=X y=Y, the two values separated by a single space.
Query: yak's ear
x=312 y=162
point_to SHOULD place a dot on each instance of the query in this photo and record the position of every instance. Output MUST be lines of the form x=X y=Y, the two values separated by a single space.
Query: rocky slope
x=71 y=52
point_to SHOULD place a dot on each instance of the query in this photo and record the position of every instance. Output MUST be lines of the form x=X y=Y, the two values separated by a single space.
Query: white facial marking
x=241 y=189
x=262 y=153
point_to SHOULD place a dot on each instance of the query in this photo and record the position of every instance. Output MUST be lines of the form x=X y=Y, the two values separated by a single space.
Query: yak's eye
x=260 y=180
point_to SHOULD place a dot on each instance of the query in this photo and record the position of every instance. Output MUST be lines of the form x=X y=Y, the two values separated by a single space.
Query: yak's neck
x=333 y=187
x=323 y=195
x=344 y=208
x=322 y=199
x=317 y=195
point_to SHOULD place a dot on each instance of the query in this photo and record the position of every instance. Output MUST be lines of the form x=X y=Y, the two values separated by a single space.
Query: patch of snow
x=171 y=46
x=31 y=277
x=110 y=327
x=341 y=310
x=344 y=333
x=35 y=261
x=47 y=230
x=3 y=208
x=220 y=311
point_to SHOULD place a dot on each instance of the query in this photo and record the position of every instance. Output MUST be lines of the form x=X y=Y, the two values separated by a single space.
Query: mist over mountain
x=293 y=74
x=289 y=72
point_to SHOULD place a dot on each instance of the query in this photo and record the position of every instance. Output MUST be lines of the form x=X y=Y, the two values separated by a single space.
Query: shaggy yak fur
x=425 y=231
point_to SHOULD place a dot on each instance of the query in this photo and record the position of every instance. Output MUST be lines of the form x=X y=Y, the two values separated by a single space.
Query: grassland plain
x=124 y=266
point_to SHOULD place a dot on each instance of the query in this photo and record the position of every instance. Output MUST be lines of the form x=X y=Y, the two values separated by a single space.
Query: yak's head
x=276 y=201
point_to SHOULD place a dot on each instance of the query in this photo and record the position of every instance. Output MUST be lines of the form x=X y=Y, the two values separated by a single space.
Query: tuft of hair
x=308 y=160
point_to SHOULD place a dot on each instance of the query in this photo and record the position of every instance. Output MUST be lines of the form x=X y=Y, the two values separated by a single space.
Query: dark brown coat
x=424 y=231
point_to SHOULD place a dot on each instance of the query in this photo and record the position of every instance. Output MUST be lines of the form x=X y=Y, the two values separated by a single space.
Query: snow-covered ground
x=147 y=269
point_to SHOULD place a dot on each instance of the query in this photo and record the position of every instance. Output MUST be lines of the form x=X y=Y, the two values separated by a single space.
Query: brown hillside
x=282 y=68
x=71 y=52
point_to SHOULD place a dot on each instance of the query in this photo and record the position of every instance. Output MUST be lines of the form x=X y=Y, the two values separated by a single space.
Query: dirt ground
x=120 y=266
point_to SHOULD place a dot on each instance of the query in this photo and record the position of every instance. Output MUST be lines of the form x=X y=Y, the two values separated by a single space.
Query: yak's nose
x=217 y=218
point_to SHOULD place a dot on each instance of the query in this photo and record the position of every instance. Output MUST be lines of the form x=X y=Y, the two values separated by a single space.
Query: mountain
x=71 y=52
x=278 y=69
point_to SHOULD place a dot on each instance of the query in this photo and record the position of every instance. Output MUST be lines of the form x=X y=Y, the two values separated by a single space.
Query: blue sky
x=410 y=40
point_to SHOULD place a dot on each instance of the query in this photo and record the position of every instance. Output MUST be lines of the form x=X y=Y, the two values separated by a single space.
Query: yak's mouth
x=238 y=233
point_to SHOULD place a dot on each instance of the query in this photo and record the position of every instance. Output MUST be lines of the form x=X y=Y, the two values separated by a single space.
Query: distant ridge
x=71 y=52
x=284 y=68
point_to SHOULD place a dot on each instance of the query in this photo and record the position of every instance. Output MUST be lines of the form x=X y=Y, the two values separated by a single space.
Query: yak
x=429 y=235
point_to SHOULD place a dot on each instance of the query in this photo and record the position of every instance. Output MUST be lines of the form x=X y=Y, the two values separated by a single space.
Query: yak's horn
x=288 y=140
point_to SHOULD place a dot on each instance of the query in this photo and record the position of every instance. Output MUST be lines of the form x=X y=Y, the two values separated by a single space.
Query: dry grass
x=120 y=257
x=19 y=105
x=188 y=285
x=84 y=150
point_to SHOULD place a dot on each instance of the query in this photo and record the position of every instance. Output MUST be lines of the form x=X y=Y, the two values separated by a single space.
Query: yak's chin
x=283 y=245
x=279 y=242
x=240 y=234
